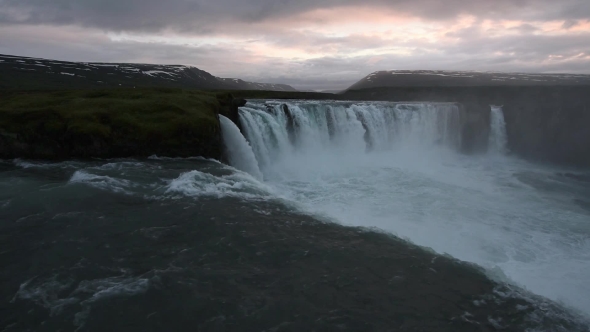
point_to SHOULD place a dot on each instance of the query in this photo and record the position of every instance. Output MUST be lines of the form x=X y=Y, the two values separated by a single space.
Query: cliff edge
x=544 y=123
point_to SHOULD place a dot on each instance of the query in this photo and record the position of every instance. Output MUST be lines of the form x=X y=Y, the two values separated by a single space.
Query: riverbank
x=544 y=123
x=112 y=123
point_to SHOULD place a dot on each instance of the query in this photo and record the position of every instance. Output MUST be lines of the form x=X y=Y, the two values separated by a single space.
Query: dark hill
x=546 y=114
x=433 y=78
x=238 y=84
x=31 y=73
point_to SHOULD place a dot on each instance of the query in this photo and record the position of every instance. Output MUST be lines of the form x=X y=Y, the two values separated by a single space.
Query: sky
x=309 y=44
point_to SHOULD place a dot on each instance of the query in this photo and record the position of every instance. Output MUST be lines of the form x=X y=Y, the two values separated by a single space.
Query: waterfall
x=239 y=152
x=498 y=139
x=310 y=129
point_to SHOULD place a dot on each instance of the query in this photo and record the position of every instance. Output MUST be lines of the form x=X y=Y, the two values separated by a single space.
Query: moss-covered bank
x=112 y=123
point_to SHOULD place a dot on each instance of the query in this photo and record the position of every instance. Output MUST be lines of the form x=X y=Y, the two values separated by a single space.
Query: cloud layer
x=311 y=44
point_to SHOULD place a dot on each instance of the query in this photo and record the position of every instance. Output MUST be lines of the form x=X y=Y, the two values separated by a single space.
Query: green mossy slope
x=111 y=123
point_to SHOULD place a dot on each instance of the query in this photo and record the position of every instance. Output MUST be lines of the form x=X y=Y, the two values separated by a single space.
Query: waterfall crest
x=310 y=128
x=498 y=140
x=239 y=152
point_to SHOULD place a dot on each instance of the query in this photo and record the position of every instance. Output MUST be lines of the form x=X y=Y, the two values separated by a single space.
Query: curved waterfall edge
x=274 y=129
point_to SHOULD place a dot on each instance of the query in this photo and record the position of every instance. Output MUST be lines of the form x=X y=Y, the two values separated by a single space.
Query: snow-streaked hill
x=409 y=78
x=31 y=73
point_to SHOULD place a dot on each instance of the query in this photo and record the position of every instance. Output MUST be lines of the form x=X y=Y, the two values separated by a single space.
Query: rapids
x=398 y=167
x=185 y=244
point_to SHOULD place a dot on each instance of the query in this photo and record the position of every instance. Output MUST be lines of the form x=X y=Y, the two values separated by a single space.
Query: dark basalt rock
x=476 y=129
x=290 y=124
x=230 y=107
x=543 y=123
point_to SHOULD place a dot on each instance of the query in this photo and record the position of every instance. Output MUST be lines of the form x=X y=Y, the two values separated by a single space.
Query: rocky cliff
x=544 y=123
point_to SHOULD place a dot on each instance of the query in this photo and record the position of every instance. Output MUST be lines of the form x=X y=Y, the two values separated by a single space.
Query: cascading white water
x=278 y=130
x=498 y=139
x=396 y=167
x=239 y=152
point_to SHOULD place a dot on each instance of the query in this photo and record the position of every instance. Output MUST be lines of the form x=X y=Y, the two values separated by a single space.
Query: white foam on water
x=238 y=185
x=25 y=164
x=55 y=293
x=103 y=182
x=46 y=293
x=137 y=179
x=515 y=219
x=122 y=165
x=156 y=157
x=541 y=310
x=102 y=289
x=479 y=215
x=36 y=164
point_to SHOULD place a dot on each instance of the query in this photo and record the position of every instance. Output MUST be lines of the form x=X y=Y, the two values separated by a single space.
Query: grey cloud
x=570 y=24
x=536 y=46
x=84 y=45
x=315 y=43
x=470 y=49
x=525 y=28
x=202 y=16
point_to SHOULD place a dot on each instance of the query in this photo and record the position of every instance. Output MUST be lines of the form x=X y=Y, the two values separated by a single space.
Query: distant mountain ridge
x=244 y=85
x=18 y=72
x=423 y=78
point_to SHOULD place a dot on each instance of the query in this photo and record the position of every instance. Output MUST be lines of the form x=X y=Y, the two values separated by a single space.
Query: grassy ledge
x=112 y=123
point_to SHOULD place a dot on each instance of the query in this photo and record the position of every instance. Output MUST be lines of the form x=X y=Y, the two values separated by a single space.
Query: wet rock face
x=229 y=107
x=550 y=125
x=543 y=123
x=85 y=147
x=290 y=124
x=476 y=128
